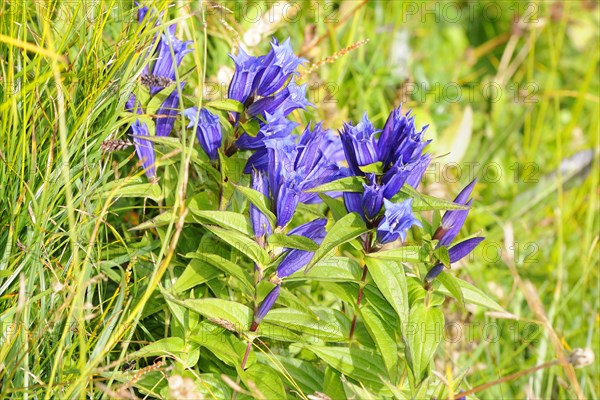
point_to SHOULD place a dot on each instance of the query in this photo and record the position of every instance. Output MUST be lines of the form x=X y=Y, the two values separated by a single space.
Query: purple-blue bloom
x=165 y=63
x=208 y=131
x=360 y=144
x=260 y=223
x=456 y=253
x=144 y=148
x=278 y=66
x=453 y=220
x=397 y=219
x=167 y=112
x=265 y=307
x=296 y=259
x=293 y=168
x=241 y=87
x=288 y=99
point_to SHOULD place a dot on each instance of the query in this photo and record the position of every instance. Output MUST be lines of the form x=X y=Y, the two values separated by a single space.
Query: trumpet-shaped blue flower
x=144 y=148
x=453 y=220
x=278 y=66
x=296 y=259
x=456 y=253
x=260 y=223
x=360 y=144
x=288 y=99
x=166 y=62
x=398 y=149
x=398 y=218
x=265 y=307
x=208 y=130
x=242 y=87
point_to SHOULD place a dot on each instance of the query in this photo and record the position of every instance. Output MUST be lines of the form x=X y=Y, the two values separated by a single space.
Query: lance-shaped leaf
x=259 y=200
x=390 y=279
x=224 y=219
x=347 y=184
x=242 y=243
x=423 y=334
x=413 y=254
x=344 y=230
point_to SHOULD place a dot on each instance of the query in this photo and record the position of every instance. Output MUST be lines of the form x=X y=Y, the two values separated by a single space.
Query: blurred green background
x=509 y=89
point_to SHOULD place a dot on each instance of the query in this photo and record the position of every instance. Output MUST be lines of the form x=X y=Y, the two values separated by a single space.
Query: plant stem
x=508 y=378
x=367 y=248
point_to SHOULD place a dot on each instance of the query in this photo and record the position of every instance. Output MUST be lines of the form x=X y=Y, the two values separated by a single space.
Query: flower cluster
x=387 y=160
x=284 y=166
x=168 y=55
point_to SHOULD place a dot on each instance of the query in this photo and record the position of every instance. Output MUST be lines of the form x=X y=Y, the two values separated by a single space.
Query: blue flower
x=296 y=259
x=144 y=148
x=167 y=112
x=166 y=63
x=290 y=98
x=456 y=253
x=369 y=203
x=400 y=141
x=265 y=307
x=277 y=67
x=292 y=168
x=260 y=223
x=242 y=87
x=208 y=131
x=453 y=220
x=360 y=144
x=275 y=126
x=398 y=218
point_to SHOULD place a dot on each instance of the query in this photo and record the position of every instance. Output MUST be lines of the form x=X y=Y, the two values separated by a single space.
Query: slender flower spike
x=265 y=307
x=456 y=253
x=260 y=223
x=453 y=220
x=208 y=131
x=398 y=218
x=296 y=259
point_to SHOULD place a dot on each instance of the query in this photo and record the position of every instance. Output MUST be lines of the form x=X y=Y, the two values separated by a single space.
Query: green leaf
x=223 y=344
x=259 y=200
x=128 y=187
x=423 y=334
x=450 y=282
x=344 y=230
x=384 y=338
x=196 y=273
x=242 y=244
x=293 y=242
x=263 y=382
x=251 y=127
x=306 y=375
x=390 y=279
x=226 y=105
x=473 y=295
x=402 y=254
x=225 y=219
x=187 y=353
x=158 y=99
x=347 y=184
x=315 y=329
x=228 y=267
x=236 y=314
x=338 y=210
x=441 y=253
x=423 y=202
x=332 y=384
x=374 y=168
x=365 y=366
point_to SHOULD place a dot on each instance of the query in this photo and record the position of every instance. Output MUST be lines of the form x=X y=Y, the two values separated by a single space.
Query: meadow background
x=510 y=90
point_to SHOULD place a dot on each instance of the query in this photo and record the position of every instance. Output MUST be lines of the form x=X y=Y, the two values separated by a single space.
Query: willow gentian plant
x=339 y=209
